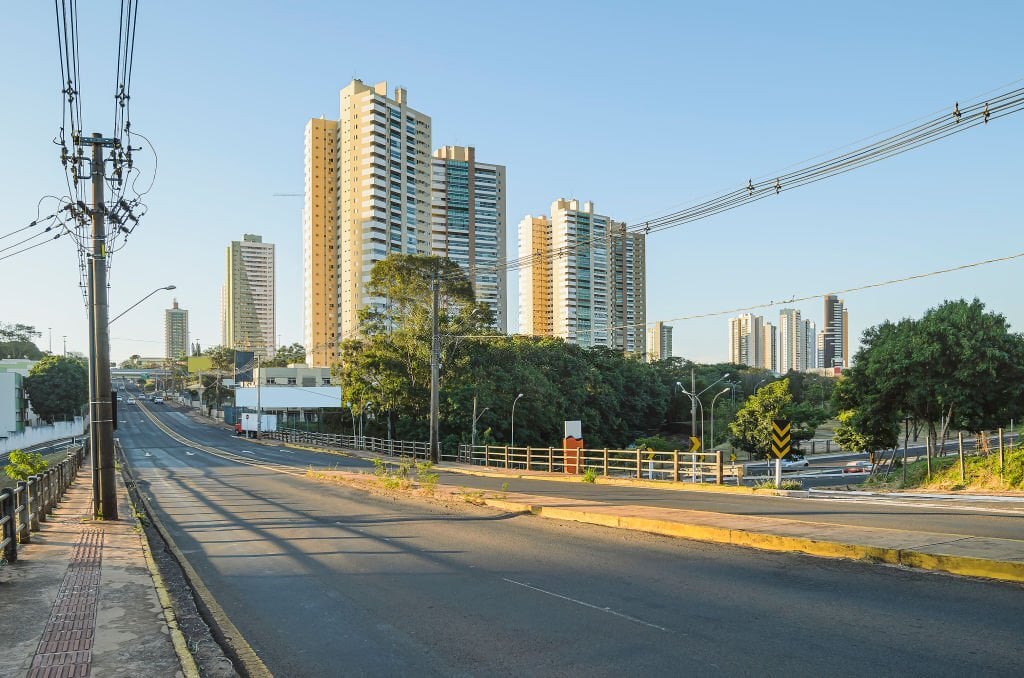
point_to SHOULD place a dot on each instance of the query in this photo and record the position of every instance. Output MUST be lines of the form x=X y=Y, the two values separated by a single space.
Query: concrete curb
x=188 y=662
x=233 y=640
x=178 y=640
x=960 y=565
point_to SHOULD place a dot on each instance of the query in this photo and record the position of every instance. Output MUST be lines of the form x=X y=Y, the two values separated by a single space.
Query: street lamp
x=695 y=398
x=476 y=418
x=168 y=287
x=514 y=419
x=724 y=390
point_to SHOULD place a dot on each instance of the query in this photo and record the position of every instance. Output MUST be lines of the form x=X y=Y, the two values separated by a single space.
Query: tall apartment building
x=797 y=342
x=535 y=295
x=659 y=342
x=769 y=348
x=467 y=216
x=596 y=277
x=175 y=332
x=367 y=195
x=628 y=293
x=836 y=345
x=820 y=345
x=746 y=340
x=249 y=314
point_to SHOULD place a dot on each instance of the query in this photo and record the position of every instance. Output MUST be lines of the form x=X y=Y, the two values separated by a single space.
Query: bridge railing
x=24 y=507
x=673 y=466
x=393 y=448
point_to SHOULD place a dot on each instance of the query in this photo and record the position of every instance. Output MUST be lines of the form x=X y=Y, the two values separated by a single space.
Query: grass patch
x=982 y=474
x=590 y=474
x=789 y=484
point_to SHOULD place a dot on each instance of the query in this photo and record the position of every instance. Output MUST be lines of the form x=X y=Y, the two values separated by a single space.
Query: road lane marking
x=217 y=452
x=607 y=610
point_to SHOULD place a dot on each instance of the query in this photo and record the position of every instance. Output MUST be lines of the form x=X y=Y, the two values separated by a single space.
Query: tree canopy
x=958 y=364
x=18 y=341
x=287 y=355
x=57 y=387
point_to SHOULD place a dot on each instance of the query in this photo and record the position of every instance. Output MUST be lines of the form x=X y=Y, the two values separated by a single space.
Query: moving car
x=858 y=467
x=158 y=399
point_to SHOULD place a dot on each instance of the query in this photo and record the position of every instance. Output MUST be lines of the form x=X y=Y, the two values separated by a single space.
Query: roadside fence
x=675 y=466
x=37 y=435
x=393 y=448
x=24 y=507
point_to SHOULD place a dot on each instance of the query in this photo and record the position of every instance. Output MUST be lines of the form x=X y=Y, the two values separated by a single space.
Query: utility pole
x=101 y=410
x=435 y=370
x=259 y=410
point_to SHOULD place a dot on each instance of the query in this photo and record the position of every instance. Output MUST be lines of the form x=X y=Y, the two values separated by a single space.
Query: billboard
x=244 y=361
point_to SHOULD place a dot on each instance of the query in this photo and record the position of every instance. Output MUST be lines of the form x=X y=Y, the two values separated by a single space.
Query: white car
x=790 y=464
x=158 y=399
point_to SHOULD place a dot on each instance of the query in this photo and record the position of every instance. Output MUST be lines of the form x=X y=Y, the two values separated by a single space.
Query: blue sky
x=641 y=107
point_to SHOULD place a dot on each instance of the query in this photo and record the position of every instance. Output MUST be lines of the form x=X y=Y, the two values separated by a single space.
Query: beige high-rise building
x=467 y=201
x=248 y=301
x=769 y=348
x=175 y=332
x=596 y=278
x=535 y=313
x=320 y=241
x=659 y=342
x=746 y=340
x=367 y=195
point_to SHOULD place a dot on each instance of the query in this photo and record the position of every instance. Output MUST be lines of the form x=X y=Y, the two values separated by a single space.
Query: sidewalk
x=81 y=601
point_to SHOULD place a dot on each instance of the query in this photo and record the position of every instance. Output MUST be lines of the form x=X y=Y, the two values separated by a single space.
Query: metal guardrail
x=673 y=466
x=24 y=507
x=393 y=448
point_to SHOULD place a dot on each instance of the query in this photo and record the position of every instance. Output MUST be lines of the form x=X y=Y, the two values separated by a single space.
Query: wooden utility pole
x=100 y=406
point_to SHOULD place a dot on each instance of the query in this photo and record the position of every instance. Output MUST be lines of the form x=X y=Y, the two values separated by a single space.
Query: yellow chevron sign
x=781 y=437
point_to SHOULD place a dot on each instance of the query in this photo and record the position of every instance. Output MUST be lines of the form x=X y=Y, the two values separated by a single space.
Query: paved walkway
x=81 y=601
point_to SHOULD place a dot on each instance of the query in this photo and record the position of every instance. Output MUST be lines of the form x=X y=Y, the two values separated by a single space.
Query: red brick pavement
x=65 y=650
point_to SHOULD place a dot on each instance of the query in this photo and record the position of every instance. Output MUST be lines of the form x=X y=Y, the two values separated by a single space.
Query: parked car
x=795 y=462
x=858 y=467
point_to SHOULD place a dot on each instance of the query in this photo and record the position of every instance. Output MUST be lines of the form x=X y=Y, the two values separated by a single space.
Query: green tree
x=958 y=364
x=386 y=369
x=752 y=427
x=21 y=465
x=286 y=355
x=57 y=387
x=18 y=341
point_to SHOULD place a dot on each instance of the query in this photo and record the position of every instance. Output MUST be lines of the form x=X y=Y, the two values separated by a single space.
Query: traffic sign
x=781 y=437
x=694 y=444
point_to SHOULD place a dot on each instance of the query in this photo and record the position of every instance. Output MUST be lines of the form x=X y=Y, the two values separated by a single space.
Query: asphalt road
x=325 y=580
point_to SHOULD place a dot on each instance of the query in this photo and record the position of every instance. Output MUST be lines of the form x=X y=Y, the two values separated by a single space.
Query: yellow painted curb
x=961 y=565
x=627 y=482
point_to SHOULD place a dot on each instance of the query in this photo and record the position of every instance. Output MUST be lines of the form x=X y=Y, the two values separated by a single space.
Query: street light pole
x=168 y=287
x=724 y=390
x=472 y=439
x=514 y=418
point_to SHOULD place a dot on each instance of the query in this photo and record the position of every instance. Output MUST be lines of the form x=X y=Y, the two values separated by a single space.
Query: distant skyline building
x=836 y=344
x=175 y=332
x=367 y=195
x=595 y=287
x=467 y=217
x=535 y=295
x=769 y=348
x=746 y=340
x=797 y=347
x=249 y=305
x=659 y=342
